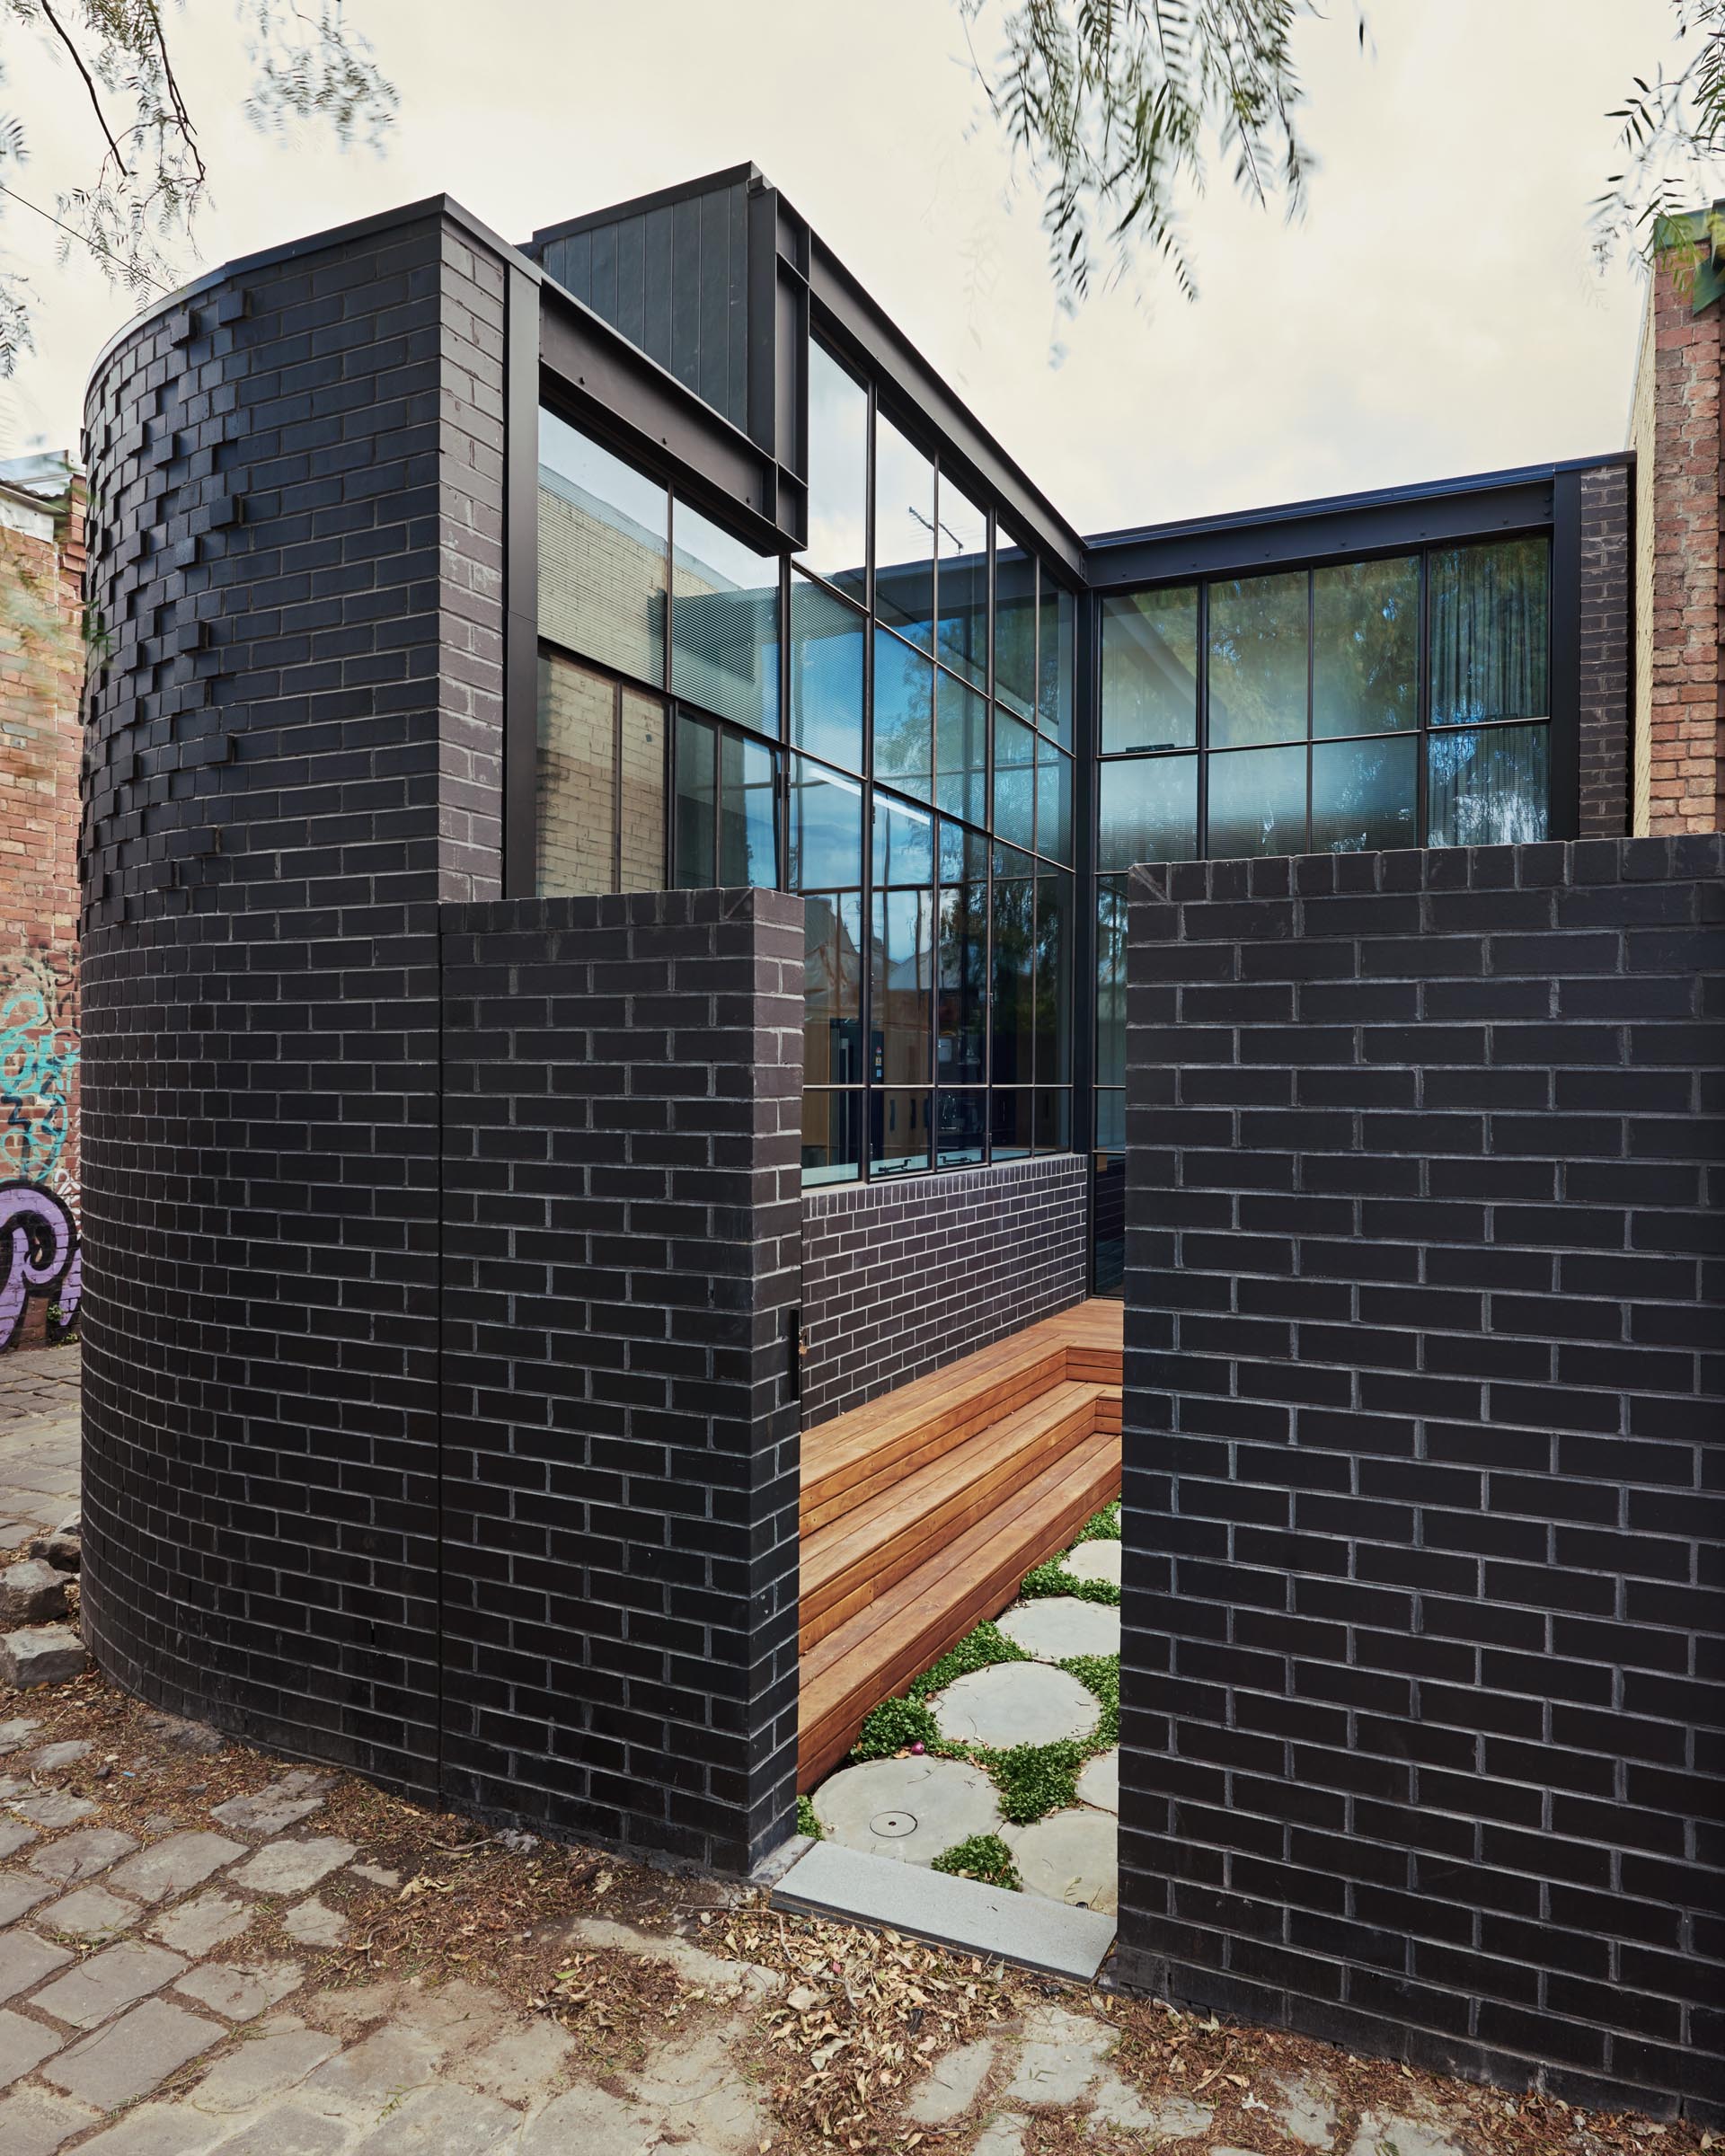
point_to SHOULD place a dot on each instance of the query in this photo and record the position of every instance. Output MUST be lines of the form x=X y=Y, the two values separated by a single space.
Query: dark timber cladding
x=1424 y=1406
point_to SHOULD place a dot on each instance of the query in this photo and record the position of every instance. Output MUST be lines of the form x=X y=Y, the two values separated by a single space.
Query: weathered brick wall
x=1425 y=1423
x=1604 y=635
x=898 y=1278
x=292 y=735
x=620 y=1263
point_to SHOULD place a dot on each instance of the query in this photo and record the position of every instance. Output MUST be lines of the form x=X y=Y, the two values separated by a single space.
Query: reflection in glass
x=1011 y=1121
x=748 y=818
x=1014 y=625
x=1053 y=1124
x=832 y=1136
x=1057 y=613
x=1053 y=978
x=904 y=535
x=904 y=842
x=1363 y=795
x=1150 y=670
x=1011 y=1029
x=603 y=534
x=1258 y=660
x=832 y=969
x=697 y=761
x=724 y=624
x=838 y=473
x=961 y=1044
x=824 y=851
x=1488 y=788
x=825 y=675
x=899 y=1136
x=1053 y=801
x=1111 y=982
x=1148 y=811
x=1365 y=647
x=1489 y=631
x=901 y=979
x=904 y=717
x=641 y=790
x=962 y=1126
x=961 y=749
x=575 y=797
x=964 y=583
x=1257 y=803
x=1108 y=1189
x=1014 y=780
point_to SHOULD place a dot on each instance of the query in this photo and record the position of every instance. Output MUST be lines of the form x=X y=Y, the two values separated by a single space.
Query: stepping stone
x=52 y=1756
x=1094 y=1561
x=1014 y=1703
x=1100 y=1783
x=1060 y=1626
x=15 y=1734
x=1072 y=1857
x=80 y=1856
x=908 y=1810
x=285 y=1803
x=197 y=1927
x=1308 y=2110
x=53 y=1808
x=1060 y=2056
x=313 y=1923
x=92 y=1912
x=952 y=2084
x=174 y=1866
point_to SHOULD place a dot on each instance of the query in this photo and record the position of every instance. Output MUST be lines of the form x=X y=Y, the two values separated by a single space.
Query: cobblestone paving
x=39 y=1441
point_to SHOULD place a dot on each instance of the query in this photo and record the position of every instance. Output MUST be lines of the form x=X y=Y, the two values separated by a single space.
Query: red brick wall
x=41 y=675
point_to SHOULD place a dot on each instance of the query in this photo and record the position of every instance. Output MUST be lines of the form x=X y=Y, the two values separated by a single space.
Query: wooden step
x=873 y=1654
x=877 y=1543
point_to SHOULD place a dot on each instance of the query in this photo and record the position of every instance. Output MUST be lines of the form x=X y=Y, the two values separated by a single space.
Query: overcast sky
x=1437 y=312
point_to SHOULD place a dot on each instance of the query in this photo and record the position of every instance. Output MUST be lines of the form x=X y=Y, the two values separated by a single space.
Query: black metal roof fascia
x=662 y=198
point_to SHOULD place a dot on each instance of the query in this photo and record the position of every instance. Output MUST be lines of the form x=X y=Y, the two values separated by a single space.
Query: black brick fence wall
x=1425 y=1457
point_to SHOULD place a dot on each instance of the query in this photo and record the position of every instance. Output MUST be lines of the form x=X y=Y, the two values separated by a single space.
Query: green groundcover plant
x=984 y=1857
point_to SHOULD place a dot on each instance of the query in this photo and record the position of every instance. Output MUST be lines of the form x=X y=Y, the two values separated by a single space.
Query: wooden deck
x=923 y=1510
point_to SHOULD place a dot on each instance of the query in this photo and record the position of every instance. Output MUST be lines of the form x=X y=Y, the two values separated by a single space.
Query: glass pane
x=901 y=979
x=1489 y=788
x=1150 y=670
x=1053 y=979
x=1014 y=627
x=1010 y=1122
x=1107 y=1191
x=1110 y=1119
x=1053 y=1126
x=603 y=530
x=1111 y=981
x=838 y=473
x=961 y=750
x=1491 y=632
x=904 y=844
x=641 y=794
x=904 y=717
x=1014 y=779
x=825 y=836
x=832 y=1136
x=1148 y=811
x=962 y=1000
x=961 y=1123
x=1363 y=795
x=1012 y=1032
x=825 y=675
x=832 y=970
x=1365 y=647
x=1257 y=660
x=725 y=623
x=1053 y=801
x=748 y=823
x=1058 y=612
x=1257 y=803
x=964 y=583
x=575 y=804
x=696 y=776
x=900 y=1131
x=904 y=535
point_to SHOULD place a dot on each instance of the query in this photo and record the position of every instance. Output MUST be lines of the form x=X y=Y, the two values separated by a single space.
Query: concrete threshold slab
x=1028 y=1928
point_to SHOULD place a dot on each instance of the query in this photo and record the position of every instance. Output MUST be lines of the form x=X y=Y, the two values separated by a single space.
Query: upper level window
x=838 y=474
x=604 y=538
x=724 y=624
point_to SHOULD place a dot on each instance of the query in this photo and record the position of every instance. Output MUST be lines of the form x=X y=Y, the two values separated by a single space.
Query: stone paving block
x=286 y=2131
x=690 y=2091
x=1308 y=2110
x=16 y=1834
x=441 y=2121
x=168 y=2129
x=692 y=1962
x=34 y=2124
x=240 y=1990
x=175 y=1866
x=1394 y=2134
x=1002 y=2136
x=1166 y=2119
x=16 y=1733
x=285 y=1803
x=80 y=1856
x=52 y=1808
x=293 y=1867
x=951 y=2084
x=25 y=1960
x=591 y=2120
x=109 y=1982
x=90 y=1913
x=521 y=2064
x=24 y=2044
x=1061 y=2055
x=200 y=1926
x=380 y=2071
x=131 y=2056
x=262 y=2070
x=19 y=1892
x=313 y=1923
x=41 y=1654
x=49 y=1759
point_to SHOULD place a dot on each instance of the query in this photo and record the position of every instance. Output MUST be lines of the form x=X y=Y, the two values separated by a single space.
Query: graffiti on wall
x=39 y=1061
x=39 y=1256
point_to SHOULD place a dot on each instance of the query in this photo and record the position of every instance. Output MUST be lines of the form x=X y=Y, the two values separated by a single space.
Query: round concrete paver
x=1015 y=1704
x=910 y=1809
x=1062 y=1625
x=1100 y=1783
x=1094 y=1561
x=1071 y=1856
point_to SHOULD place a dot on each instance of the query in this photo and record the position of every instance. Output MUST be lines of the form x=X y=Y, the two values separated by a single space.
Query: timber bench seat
x=922 y=1510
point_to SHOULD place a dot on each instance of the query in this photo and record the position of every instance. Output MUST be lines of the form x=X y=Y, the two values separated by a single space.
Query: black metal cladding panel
x=1425 y=1456
x=674 y=280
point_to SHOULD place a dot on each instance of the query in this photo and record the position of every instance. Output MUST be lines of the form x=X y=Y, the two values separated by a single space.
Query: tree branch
x=189 y=134
x=78 y=61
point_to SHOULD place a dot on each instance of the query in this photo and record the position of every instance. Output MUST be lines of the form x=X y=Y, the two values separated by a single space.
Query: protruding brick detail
x=1602 y=654
x=898 y=1278
x=1423 y=1416
x=1675 y=421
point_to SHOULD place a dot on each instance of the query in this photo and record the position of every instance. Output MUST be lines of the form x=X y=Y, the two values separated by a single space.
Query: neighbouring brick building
x=617 y=930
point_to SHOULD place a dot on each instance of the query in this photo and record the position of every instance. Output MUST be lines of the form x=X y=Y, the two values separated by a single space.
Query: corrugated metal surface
x=674 y=280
